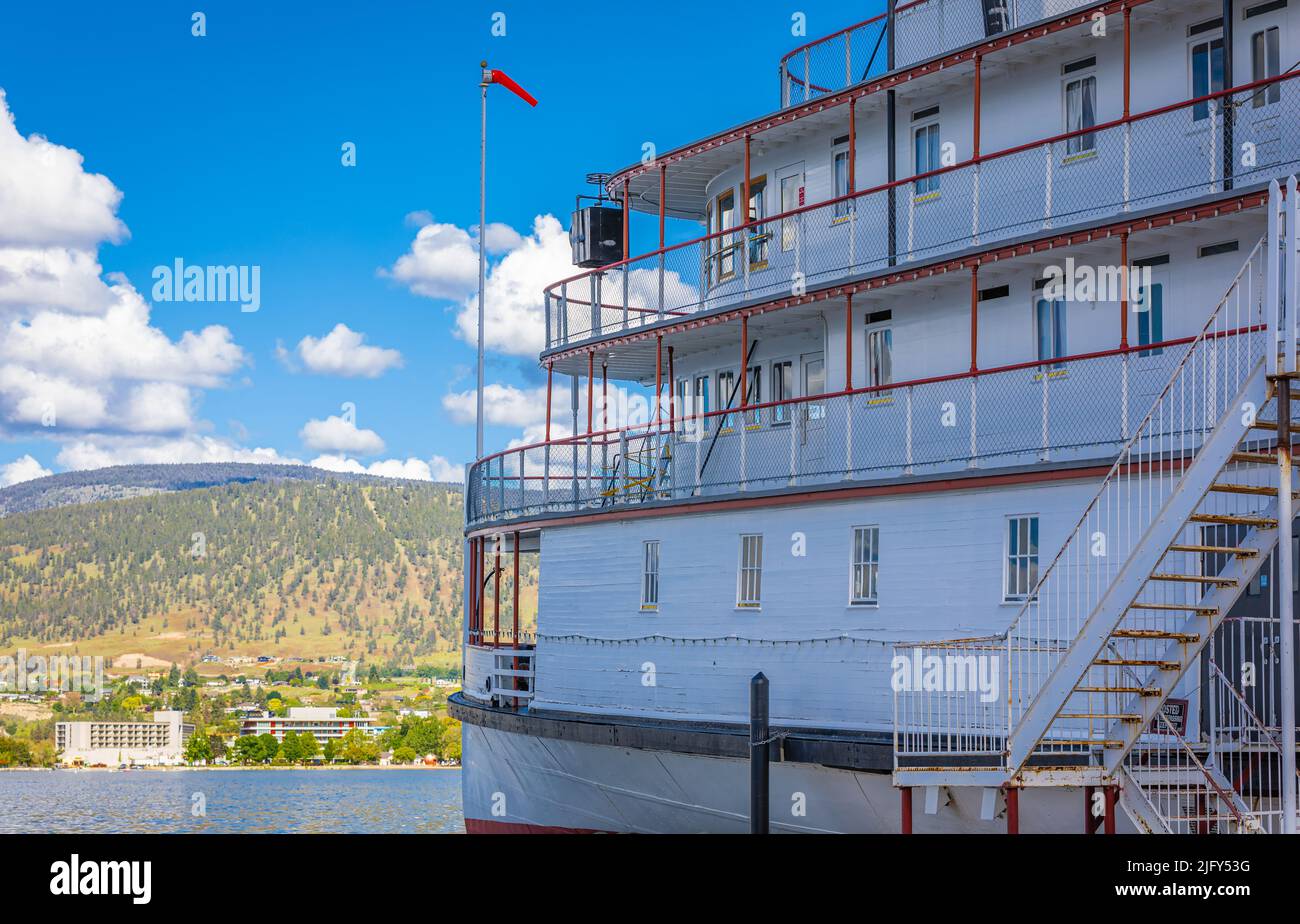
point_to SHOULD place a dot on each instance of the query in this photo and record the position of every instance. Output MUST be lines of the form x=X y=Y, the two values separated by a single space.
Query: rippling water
x=233 y=802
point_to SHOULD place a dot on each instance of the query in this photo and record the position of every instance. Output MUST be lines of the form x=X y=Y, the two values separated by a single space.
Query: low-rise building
x=160 y=742
x=322 y=722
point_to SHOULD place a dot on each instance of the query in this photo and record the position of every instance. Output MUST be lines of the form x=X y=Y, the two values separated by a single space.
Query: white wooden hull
x=516 y=783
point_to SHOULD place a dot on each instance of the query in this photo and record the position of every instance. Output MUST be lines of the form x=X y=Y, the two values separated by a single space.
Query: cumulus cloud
x=435 y=469
x=503 y=405
x=100 y=451
x=442 y=263
x=343 y=352
x=340 y=434
x=24 y=468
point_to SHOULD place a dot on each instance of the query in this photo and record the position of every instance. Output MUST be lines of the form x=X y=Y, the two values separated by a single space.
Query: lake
x=231 y=801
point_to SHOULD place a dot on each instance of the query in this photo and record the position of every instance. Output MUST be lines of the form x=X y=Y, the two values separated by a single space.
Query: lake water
x=232 y=802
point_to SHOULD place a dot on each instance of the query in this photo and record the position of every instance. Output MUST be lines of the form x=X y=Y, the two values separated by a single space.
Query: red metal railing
x=1169 y=154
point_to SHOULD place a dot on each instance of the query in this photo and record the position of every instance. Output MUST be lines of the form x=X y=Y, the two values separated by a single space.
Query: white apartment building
x=160 y=742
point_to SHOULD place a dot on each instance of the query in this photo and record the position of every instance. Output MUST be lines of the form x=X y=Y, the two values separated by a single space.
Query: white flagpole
x=482 y=258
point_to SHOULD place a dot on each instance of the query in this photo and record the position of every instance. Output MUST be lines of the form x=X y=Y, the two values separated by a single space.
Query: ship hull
x=520 y=783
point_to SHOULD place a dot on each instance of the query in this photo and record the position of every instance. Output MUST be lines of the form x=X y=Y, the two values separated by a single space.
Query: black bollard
x=758 y=754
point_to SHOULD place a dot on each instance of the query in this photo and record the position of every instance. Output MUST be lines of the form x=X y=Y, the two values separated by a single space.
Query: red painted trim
x=484 y=826
x=1123 y=296
x=1013 y=809
x=906 y=793
x=979 y=71
x=813 y=497
x=974 y=317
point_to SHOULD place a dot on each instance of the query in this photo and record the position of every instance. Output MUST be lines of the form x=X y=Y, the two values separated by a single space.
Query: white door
x=790 y=189
x=812 y=414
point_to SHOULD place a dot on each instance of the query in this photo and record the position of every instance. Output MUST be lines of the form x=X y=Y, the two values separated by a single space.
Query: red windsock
x=502 y=78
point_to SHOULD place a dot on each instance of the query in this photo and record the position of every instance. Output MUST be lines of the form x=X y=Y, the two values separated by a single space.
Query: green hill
x=304 y=565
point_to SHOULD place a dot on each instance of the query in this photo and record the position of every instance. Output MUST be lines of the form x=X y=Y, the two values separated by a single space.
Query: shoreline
x=215 y=769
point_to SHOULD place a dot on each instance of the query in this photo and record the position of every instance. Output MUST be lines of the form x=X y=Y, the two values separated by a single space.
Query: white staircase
x=1178 y=529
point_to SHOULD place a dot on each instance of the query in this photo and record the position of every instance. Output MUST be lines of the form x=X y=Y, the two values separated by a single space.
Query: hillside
x=268 y=563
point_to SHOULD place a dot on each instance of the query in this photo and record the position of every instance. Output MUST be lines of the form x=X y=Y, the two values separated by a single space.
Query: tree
x=308 y=747
x=425 y=736
x=248 y=749
x=289 y=749
x=268 y=747
x=198 y=750
x=450 y=741
x=404 y=755
x=356 y=747
x=330 y=751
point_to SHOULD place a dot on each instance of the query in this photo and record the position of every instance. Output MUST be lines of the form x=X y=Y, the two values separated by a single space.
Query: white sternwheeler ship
x=972 y=435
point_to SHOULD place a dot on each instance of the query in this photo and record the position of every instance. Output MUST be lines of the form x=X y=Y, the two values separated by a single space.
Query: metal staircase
x=1178 y=529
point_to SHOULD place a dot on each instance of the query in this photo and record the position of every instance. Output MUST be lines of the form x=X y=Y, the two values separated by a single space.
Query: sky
x=128 y=143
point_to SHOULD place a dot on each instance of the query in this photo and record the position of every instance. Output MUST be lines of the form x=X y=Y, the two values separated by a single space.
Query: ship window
x=783 y=390
x=790 y=189
x=724 y=245
x=758 y=235
x=1081 y=114
x=1050 y=325
x=1021 y=562
x=866 y=564
x=1150 y=308
x=754 y=394
x=702 y=400
x=683 y=409
x=1207 y=74
x=726 y=395
x=926 y=148
x=1265 y=64
x=880 y=357
x=749 y=580
x=840 y=179
x=650 y=575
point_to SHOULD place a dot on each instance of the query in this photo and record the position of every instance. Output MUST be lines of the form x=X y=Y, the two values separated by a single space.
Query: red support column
x=1128 y=58
x=550 y=369
x=471 y=578
x=744 y=357
x=515 y=635
x=906 y=793
x=746 y=182
x=672 y=393
x=853 y=143
x=591 y=375
x=604 y=396
x=496 y=596
x=659 y=378
x=979 y=80
x=1123 y=298
x=974 y=316
x=848 y=341
x=1112 y=799
x=481 y=609
x=1013 y=809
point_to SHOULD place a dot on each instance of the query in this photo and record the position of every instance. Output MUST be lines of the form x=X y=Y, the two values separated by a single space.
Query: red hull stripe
x=481 y=826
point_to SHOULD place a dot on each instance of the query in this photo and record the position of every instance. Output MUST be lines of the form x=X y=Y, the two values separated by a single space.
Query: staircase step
x=1256 y=490
x=1082 y=742
x=1138 y=662
x=1258 y=458
x=1215 y=550
x=1176 y=607
x=1121 y=716
x=1194 y=579
x=1230 y=519
x=1272 y=425
x=1184 y=637
x=1127 y=691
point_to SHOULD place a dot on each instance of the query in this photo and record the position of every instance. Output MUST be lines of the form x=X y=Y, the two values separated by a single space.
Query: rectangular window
x=754 y=394
x=650 y=575
x=840 y=180
x=701 y=407
x=684 y=409
x=724 y=249
x=726 y=395
x=1021 y=564
x=866 y=564
x=880 y=358
x=782 y=390
x=790 y=186
x=1265 y=63
x=926 y=148
x=1049 y=318
x=1081 y=114
x=759 y=235
x=1150 y=309
x=1207 y=74
x=749 y=580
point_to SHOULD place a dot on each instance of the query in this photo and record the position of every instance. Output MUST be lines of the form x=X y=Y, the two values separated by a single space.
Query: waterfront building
x=157 y=743
x=323 y=723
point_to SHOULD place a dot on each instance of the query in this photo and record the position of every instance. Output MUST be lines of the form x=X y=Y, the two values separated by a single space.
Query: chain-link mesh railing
x=925 y=29
x=1160 y=158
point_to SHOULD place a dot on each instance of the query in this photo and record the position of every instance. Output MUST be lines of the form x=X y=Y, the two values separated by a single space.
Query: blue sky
x=226 y=149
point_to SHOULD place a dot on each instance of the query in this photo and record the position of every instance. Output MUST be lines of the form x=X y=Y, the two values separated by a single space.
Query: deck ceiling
x=688 y=178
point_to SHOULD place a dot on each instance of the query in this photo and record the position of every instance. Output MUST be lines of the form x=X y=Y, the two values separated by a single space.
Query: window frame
x=1085 y=144
x=1209 y=38
x=754 y=395
x=1058 y=314
x=875 y=378
x=650 y=575
x=756 y=569
x=928 y=187
x=841 y=210
x=725 y=418
x=1034 y=558
x=872 y=561
x=1272 y=94
x=781 y=412
x=760 y=238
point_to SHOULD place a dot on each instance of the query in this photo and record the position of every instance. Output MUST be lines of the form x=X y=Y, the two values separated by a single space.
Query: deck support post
x=758 y=754
x=1013 y=809
x=744 y=364
x=974 y=316
x=1123 y=295
x=659 y=380
x=1112 y=802
x=905 y=796
x=591 y=375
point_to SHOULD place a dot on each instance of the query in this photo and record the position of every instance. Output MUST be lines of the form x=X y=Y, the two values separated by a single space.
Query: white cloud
x=442 y=263
x=46 y=196
x=343 y=352
x=503 y=405
x=338 y=434
x=436 y=469
x=99 y=451
x=24 y=468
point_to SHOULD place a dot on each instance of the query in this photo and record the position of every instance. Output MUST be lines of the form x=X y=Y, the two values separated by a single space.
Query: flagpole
x=482 y=258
